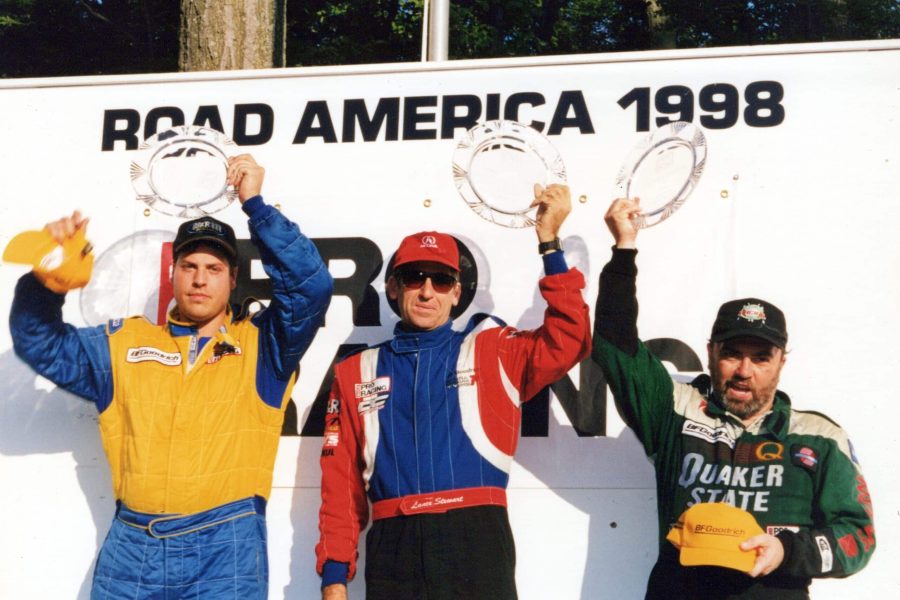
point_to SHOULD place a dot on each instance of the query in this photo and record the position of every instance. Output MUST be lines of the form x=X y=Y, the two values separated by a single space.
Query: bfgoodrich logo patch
x=705 y=432
x=145 y=353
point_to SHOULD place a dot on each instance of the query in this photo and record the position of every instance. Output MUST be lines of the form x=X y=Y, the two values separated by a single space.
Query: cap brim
x=29 y=247
x=209 y=241
x=440 y=261
x=717 y=557
x=750 y=333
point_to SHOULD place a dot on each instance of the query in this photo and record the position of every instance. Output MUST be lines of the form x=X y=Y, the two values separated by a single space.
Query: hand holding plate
x=246 y=176
x=553 y=206
x=621 y=219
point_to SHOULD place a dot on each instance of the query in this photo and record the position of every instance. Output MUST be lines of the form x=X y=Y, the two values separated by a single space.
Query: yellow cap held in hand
x=711 y=533
x=59 y=267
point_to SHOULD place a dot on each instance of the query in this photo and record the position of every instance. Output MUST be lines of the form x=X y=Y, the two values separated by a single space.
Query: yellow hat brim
x=29 y=247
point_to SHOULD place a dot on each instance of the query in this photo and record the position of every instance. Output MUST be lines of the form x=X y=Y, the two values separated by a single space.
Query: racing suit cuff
x=334 y=572
x=623 y=261
x=253 y=205
x=33 y=288
x=786 y=537
x=555 y=263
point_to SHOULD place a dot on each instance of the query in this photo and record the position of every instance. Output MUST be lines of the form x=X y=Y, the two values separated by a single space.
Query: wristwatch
x=548 y=247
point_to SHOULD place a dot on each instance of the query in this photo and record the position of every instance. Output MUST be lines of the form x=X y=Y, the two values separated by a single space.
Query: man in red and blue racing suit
x=425 y=426
x=190 y=411
x=732 y=437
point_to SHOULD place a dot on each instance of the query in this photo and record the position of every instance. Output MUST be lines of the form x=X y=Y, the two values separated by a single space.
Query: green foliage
x=742 y=22
x=534 y=28
x=323 y=32
x=81 y=37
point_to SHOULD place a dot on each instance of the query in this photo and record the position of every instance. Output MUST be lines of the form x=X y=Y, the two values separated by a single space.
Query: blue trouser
x=219 y=553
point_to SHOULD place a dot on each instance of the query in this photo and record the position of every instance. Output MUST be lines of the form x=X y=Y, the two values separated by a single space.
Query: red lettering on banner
x=848 y=545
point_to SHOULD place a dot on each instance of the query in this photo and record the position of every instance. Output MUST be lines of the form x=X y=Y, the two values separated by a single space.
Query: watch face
x=663 y=170
x=182 y=172
x=495 y=167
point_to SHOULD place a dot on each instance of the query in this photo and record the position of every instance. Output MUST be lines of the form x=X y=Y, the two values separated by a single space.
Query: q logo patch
x=769 y=451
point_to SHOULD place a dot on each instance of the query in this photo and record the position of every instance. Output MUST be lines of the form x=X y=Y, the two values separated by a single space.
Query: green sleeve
x=641 y=387
x=843 y=538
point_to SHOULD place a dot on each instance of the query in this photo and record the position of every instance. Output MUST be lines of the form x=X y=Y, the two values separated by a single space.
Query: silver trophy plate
x=183 y=171
x=663 y=170
x=495 y=167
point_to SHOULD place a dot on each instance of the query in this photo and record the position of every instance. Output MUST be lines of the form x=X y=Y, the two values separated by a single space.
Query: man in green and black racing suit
x=732 y=437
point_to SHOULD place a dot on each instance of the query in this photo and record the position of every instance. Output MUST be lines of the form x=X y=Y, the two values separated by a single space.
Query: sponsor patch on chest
x=382 y=385
x=708 y=433
x=465 y=377
x=372 y=395
x=221 y=351
x=804 y=457
x=148 y=353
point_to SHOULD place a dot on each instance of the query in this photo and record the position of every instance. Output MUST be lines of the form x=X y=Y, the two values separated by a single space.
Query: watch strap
x=551 y=246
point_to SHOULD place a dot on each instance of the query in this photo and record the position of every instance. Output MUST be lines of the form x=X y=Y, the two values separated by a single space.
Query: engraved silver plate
x=182 y=172
x=663 y=170
x=495 y=167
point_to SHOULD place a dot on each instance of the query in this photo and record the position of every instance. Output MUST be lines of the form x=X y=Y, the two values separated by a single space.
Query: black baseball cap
x=208 y=231
x=750 y=317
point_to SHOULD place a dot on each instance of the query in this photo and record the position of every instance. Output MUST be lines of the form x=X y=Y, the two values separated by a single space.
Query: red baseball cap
x=428 y=246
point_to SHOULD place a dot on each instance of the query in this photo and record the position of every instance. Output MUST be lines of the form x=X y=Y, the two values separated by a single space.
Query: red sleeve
x=345 y=509
x=534 y=359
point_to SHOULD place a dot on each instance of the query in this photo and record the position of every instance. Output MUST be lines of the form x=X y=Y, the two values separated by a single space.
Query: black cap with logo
x=208 y=231
x=750 y=317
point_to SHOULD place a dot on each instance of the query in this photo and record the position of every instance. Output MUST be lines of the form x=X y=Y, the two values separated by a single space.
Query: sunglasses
x=414 y=279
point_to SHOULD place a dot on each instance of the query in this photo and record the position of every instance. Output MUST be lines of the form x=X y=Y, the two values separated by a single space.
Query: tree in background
x=222 y=36
x=83 y=37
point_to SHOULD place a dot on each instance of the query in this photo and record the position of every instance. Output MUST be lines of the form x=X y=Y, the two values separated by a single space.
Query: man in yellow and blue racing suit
x=190 y=411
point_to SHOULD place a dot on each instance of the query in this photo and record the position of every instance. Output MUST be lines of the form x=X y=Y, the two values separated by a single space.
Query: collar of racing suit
x=414 y=341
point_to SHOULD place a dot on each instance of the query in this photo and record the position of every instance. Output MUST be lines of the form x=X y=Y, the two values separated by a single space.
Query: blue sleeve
x=75 y=359
x=334 y=572
x=555 y=263
x=301 y=292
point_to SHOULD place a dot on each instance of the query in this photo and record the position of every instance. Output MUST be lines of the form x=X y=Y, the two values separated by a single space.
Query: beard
x=760 y=398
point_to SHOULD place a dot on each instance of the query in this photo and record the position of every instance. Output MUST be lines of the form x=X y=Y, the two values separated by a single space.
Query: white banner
x=797 y=204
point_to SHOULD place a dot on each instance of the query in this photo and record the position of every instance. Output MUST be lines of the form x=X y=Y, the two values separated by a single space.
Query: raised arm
x=534 y=359
x=301 y=284
x=76 y=359
x=640 y=384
